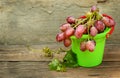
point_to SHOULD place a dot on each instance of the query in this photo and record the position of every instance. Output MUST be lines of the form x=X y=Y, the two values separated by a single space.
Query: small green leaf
x=61 y=68
x=48 y=52
x=53 y=65
x=70 y=59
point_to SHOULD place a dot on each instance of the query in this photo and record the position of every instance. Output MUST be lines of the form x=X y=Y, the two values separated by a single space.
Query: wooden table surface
x=20 y=62
x=40 y=70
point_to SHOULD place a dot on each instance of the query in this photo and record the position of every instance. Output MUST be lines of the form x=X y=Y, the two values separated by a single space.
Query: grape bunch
x=91 y=24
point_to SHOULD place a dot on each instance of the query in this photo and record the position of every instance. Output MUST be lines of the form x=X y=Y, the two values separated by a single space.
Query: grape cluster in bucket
x=91 y=24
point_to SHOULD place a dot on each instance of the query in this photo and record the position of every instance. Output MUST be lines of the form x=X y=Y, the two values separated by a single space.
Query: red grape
x=70 y=19
x=105 y=21
x=69 y=32
x=67 y=42
x=60 y=37
x=64 y=27
x=108 y=22
x=85 y=31
x=83 y=46
x=111 y=23
x=93 y=41
x=79 y=31
x=100 y=26
x=90 y=46
x=94 y=8
x=93 y=31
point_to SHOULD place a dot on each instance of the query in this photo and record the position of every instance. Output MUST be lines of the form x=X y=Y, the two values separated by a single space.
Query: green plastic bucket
x=91 y=59
x=86 y=58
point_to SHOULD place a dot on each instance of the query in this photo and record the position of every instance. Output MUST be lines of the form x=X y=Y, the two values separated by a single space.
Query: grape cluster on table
x=92 y=24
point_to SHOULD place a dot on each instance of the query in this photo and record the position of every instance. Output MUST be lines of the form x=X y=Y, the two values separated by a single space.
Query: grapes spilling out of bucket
x=91 y=24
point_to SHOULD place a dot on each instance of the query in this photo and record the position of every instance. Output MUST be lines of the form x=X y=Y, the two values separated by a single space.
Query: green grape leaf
x=53 y=64
x=70 y=59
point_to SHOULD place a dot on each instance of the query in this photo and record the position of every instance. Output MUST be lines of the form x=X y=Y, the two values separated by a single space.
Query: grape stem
x=90 y=19
x=79 y=22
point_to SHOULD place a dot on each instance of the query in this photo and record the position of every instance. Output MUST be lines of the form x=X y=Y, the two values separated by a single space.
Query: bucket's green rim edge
x=103 y=34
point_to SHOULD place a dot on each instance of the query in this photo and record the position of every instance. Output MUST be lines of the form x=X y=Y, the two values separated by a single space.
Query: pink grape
x=93 y=41
x=108 y=22
x=79 y=31
x=69 y=32
x=85 y=31
x=67 y=42
x=83 y=46
x=94 y=8
x=105 y=21
x=111 y=23
x=100 y=26
x=70 y=19
x=60 y=37
x=90 y=46
x=93 y=31
x=64 y=27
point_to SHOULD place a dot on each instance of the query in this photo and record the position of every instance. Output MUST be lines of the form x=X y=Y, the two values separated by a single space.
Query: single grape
x=60 y=37
x=94 y=42
x=83 y=46
x=67 y=42
x=70 y=19
x=108 y=22
x=105 y=20
x=64 y=27
x=100 y=26
x=90 y=46
x=94 y=8
x=93 y=31
x=86 y=31
x=112 y=23
x=79 y=31
x=69 y=32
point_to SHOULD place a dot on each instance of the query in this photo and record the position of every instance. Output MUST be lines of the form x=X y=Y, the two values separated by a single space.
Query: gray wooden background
x=37 y=21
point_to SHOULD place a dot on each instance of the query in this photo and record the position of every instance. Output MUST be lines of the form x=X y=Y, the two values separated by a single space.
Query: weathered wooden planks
x=40 y=70
x=37 y=22
x=22 y=53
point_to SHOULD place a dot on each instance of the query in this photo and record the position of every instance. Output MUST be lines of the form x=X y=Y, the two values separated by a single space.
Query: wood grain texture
x=22 y=53
x=40 y=70
x=37 y=22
